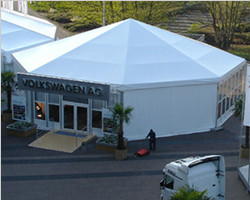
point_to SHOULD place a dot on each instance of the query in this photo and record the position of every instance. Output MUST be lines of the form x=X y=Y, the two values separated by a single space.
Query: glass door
x=82 y=118
x=68 y=114
x=75 y=116
x=40 y=111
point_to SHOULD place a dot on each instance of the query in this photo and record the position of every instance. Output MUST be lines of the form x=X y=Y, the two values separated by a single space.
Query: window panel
x=219 y=110
x=54 y=113
x=114 y=98
x=220 y=91
x=169 y=182
x=239 y=91
x=75 y=99
x=236 y=79
x=228 y=85
x=228 y=102
x=235 y=95
x=231 y=99
x=54 y=98
x=223 y=106
x=40 y=110
x=224 y=89
x=96 y=119
x=97 y=104
x=68 y=116
x=232 y=83
x=40 y=96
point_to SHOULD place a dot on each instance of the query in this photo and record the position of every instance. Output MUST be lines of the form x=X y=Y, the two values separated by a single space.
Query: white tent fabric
x=246 y=121
x=170 y=80
x=20 y=31
x=171 y=111
x=130 y=54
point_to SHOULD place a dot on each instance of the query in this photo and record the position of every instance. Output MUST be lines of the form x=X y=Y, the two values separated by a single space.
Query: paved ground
x=31 y=173
x=34 y=174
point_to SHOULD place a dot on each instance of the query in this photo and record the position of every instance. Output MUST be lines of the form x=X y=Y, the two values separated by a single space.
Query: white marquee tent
x=244 y=171
x=171 y=81
x=246 y=121
x=21 y=31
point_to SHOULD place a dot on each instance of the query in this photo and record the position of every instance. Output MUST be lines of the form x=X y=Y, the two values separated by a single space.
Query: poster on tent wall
x=18 y=107
x=108 y=124
x=246 y=121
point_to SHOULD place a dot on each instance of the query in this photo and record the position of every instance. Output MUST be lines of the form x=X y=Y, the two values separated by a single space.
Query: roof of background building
x=20 y=31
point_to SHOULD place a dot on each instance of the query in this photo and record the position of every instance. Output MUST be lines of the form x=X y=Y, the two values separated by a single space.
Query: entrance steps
x=40 y=132
x=62 y=140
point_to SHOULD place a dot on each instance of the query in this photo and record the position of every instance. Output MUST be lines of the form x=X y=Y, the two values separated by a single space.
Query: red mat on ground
x=142 y=152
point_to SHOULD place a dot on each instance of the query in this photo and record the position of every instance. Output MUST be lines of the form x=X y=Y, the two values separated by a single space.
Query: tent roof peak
x=130 y=52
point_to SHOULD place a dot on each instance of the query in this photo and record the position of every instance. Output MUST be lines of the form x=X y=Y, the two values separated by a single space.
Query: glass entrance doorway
x=75 y=116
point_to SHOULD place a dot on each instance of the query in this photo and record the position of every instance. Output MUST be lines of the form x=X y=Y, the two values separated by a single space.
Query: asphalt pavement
x=88 y=173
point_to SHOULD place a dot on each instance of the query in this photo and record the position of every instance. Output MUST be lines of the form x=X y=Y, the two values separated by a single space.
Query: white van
x=202 y=173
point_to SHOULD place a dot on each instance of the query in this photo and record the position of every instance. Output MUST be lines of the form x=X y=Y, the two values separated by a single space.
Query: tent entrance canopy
x=65 y=104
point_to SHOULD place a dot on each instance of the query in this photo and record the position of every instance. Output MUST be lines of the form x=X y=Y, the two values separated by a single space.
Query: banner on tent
x=61 y=86
x=108 y=124
x=246 y=121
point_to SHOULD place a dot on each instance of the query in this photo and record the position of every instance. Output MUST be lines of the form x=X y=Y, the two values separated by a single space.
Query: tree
x=7 y=84
x=189 y=193
x=121 y=115
x=226 y=18
x=238 y=113
x=90 y=13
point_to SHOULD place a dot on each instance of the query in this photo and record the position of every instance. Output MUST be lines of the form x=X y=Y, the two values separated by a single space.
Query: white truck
x=201 y=173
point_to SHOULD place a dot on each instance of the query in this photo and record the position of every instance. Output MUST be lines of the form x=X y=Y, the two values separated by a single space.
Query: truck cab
x=202 y=173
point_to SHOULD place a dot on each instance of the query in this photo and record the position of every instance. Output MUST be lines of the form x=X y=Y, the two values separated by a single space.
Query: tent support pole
x=216 y=112
x=121 y=98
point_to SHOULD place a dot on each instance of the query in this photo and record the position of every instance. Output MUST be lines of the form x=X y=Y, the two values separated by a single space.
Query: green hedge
x=60 y=17
x=80 y=26
x=242 y=38
x=241 y=50
x=21 y=125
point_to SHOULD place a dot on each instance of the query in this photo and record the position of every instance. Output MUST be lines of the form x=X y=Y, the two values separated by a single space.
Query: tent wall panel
x=246 y=121
x=171 y=111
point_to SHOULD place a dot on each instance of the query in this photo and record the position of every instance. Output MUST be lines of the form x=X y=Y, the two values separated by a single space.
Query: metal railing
x=39 y=132
x=80 y=131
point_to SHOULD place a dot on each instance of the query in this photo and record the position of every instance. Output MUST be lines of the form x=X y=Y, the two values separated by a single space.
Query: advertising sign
x=108 y=124
x=62 y=86
x=18 y=108
x=246 y=121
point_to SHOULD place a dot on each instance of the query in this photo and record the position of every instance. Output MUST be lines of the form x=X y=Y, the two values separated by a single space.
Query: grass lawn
x=241 y=50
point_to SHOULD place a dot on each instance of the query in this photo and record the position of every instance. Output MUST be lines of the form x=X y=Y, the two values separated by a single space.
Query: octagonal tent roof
x=20 y=31
x=130 y=54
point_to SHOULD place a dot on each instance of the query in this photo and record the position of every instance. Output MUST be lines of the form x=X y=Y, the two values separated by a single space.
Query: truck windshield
x=168 y=182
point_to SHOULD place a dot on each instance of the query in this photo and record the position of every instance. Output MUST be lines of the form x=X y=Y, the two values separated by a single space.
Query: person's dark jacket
x=152 y=135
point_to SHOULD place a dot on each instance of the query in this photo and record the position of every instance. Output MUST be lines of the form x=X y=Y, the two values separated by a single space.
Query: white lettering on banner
x=246 y=121
x=61 y=87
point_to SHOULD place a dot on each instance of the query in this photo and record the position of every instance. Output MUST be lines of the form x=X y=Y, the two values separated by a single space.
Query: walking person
x=152 y=139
